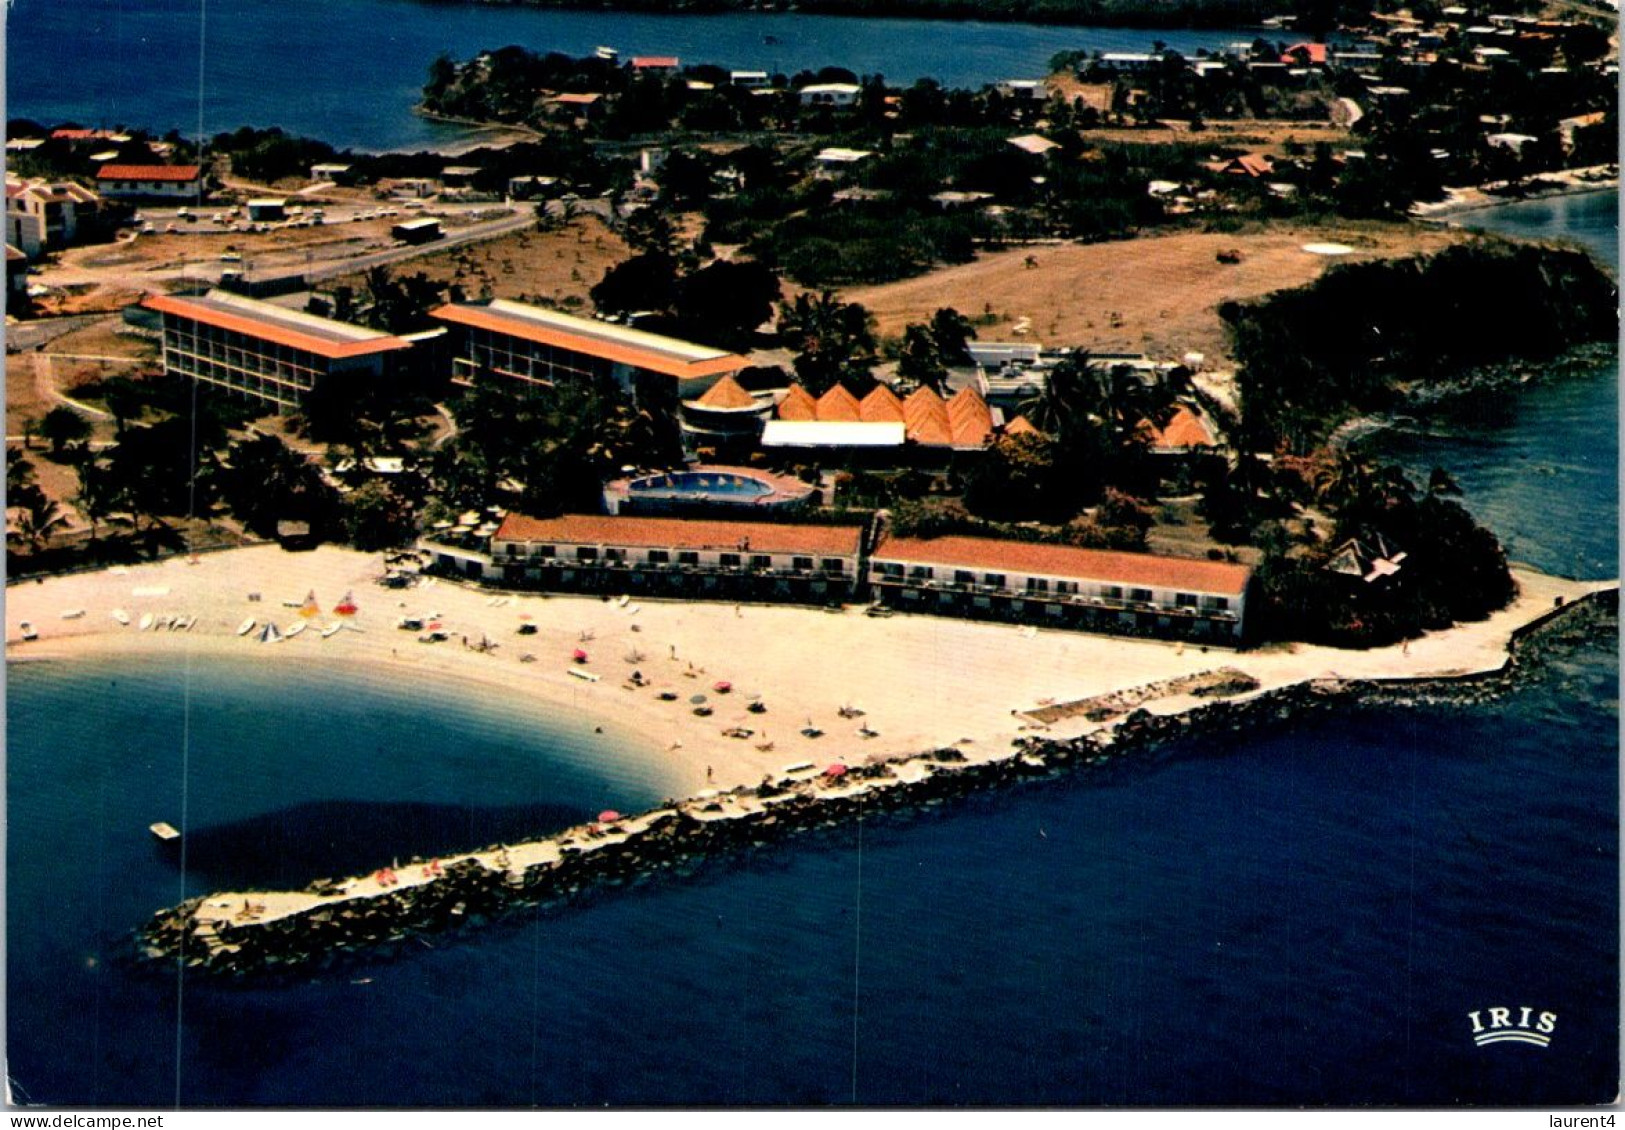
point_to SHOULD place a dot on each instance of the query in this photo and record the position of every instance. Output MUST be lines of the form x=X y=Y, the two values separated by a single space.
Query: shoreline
x=838 y=688
x=1466 y=201
x=369 y=914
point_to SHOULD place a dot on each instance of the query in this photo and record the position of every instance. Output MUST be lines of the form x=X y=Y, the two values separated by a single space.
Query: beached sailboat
x=73 y=614
x=331 y=630
x=269 y=633
x=309 y=608
x=346 y=607
x=246 y=626
x=146 y=621
x=121 y=616
x=294 y=630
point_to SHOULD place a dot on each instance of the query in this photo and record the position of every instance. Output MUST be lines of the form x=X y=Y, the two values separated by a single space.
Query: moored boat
x=246 y=626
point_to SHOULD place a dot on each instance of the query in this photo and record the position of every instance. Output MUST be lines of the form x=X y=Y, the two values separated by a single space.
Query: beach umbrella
x=836 y=770
x=698 y=699
x=608 y=816
x=723 y=686
x=578 y=655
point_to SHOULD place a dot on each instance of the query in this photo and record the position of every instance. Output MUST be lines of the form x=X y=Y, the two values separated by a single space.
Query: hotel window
x=688 y=557
x=512 y=549
x=964 y=577
x=889 y=570
x=1113 y=592
x=730 y=560
x=545 y=551
x=804 y=564
x=1067 y=588
x=761 y=561
x=658 y=557
x=614 y=555
x=1143 y=596
x=993 y=580
x=834 y=565
x=1216 y=603
x=921 y=573
x=1037 y=584
x=586 y=553
x=1185 y=599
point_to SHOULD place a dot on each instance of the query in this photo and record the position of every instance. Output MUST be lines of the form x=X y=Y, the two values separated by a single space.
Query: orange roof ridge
x=838 y=405
x=1184 y=429
x=882 y=405
x=1112 y=566
x=726 y=393
x=799 y=405
x=1021 y=426
x=290 y=336
x=685 y=533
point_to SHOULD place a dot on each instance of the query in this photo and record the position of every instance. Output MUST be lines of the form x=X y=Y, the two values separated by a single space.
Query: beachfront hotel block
x=266 y=352
x=1095 y=590
x=719 y=560
x=530 y=348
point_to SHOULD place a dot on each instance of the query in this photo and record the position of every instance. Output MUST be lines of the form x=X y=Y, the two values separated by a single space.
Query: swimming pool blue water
x=700 y=484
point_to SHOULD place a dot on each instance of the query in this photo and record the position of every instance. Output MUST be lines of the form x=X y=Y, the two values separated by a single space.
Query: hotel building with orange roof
x=528 y=347
x=266 y=352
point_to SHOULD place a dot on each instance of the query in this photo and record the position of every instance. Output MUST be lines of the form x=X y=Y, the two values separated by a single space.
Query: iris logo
x=1498 y=1026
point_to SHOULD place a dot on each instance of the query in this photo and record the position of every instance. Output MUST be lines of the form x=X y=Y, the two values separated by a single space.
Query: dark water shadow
x=290 y=847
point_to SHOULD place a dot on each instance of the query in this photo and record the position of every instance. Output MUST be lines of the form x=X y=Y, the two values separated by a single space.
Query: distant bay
x=350 y=73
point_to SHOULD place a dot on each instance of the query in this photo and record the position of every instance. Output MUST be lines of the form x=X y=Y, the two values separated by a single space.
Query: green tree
x=833 y=342
x=920 y=362
x=40 y=517
x=646 y=282
x=264 y=481
x=62 y=426
x=376 y=517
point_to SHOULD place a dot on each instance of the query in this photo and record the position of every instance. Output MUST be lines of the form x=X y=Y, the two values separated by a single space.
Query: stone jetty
x=252 y=933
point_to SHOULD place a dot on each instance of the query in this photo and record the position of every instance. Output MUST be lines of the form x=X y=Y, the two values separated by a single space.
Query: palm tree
x=38 y=521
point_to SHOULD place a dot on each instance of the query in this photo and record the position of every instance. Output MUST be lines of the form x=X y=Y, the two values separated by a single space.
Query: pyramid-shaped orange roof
x=798 y=405
x=969 y=419
x=1021 y=426
x=838 y=405
x=1186 y=429
x=926 y=417
x=881 y=406
x=727 y=394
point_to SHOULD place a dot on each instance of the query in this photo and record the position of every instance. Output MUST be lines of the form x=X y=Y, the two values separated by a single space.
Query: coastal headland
x=854 y=712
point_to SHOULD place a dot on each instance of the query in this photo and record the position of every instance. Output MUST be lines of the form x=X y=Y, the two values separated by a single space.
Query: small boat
x=246 y=626
x=164 y=831
x=74 y=614
x=269 y=633
x=331 y=629
x=586 y=676
x=146 y=621
x=29 y=633
x=294 y=630
x=121 y=616
x=624 y=601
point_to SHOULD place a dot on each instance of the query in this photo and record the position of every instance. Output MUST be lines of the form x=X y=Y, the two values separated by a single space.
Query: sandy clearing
x=1157 y=295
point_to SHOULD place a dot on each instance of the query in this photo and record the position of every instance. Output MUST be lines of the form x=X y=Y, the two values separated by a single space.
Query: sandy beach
x=920 y=682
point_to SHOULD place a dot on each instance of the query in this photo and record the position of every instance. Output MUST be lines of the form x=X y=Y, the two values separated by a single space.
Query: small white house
x=830 y=94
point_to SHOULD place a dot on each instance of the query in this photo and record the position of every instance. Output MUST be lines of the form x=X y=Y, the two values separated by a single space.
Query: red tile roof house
x=719 y=560
x=1138 y=594
x=150 y=182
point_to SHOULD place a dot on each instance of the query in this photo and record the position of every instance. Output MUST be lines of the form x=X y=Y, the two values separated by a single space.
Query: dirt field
x=1158 y=295
x=104 y=340
x=558 y=266
x=1267 y=136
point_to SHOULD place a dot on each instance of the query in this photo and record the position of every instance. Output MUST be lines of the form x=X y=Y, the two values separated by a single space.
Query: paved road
x=31 y=335
x=457 y=237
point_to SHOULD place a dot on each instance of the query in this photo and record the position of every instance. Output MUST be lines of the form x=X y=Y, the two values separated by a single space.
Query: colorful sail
x=346 y=607
x=310 y=608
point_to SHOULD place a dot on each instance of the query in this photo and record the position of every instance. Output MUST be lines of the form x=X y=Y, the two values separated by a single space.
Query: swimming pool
x=701 y=485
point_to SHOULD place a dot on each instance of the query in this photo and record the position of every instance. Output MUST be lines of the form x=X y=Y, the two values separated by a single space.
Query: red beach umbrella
x=579 y=656
x=836 y=770
x=723 y=686
x=608 y=816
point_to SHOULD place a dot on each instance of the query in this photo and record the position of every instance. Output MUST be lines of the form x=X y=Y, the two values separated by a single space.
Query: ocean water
x=352 y=79
x=1305 y=916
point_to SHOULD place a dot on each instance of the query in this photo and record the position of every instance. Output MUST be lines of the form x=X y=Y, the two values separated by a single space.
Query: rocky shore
x=245 y=934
